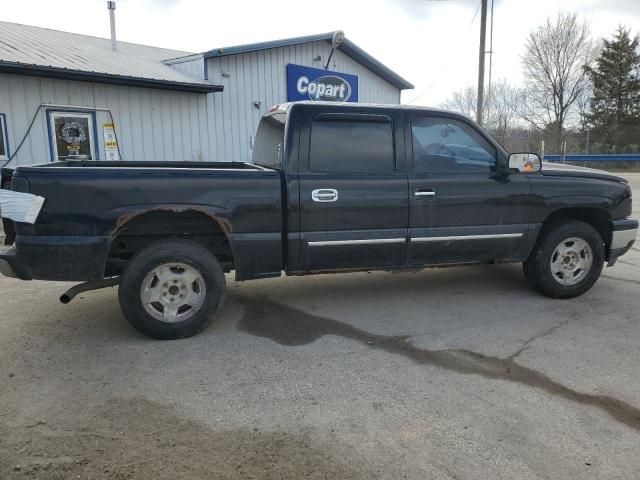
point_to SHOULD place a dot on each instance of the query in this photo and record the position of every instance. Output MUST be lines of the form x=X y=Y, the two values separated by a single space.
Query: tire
x=578 y=241
x=171 y=289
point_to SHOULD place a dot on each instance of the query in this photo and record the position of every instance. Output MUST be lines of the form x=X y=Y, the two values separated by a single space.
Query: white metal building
x=62 y=94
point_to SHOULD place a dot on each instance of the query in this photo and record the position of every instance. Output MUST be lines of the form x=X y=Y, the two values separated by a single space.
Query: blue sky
x=432 y=43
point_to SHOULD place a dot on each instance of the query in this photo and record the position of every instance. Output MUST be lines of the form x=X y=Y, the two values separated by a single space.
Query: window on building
x=72 y=135
x=352 y=146
x=4 y=146
x=447 y=145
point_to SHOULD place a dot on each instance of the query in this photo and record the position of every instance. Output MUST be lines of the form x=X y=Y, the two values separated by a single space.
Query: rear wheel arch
x=142 y=229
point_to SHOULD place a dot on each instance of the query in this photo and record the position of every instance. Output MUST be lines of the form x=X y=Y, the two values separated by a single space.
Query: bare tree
x=502 y=106
x=583 y=105
x=463 y=101
x=554 y=62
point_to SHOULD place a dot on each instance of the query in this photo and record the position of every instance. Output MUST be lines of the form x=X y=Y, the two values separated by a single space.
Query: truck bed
x=90 y=204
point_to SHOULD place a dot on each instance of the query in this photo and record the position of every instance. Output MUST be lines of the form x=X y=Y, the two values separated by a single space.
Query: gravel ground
x=444 y=374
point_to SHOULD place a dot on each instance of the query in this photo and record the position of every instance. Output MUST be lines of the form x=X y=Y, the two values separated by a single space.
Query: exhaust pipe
x=70 y=294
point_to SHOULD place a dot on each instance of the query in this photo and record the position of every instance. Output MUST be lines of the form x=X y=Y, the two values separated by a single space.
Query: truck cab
x=374 y=186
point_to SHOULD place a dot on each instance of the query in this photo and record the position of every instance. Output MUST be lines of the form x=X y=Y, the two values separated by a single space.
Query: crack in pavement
x=291 y=327
x=526 y=345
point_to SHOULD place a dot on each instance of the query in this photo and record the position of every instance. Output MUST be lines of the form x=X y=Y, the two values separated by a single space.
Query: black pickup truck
x=332 y=188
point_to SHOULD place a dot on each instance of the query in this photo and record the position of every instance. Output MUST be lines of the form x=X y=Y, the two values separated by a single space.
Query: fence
x=616 y=161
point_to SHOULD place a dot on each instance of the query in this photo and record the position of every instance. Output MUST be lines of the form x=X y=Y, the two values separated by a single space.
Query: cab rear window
x=268 y=147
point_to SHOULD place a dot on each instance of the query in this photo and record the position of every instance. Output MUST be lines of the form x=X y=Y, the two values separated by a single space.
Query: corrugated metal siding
x=151 y=124
x=261 y=76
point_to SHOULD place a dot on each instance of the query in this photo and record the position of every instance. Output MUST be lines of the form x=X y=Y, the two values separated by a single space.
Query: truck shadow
x=292 y=327
x=489 y=283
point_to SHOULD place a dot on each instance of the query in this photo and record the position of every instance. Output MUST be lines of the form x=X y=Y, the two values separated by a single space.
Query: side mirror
x=525 y=162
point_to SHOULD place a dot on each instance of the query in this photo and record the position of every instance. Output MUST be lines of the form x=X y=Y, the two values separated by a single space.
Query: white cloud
x=431 y=43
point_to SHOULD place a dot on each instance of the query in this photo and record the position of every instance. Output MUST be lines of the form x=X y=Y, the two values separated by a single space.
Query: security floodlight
x=337 y=39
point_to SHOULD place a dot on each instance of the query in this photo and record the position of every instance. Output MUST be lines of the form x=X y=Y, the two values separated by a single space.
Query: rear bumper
x=55 y=258
x=11 y=266
x=623 y=236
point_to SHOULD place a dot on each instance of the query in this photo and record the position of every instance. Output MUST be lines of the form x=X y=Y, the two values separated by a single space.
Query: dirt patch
x=138 y=439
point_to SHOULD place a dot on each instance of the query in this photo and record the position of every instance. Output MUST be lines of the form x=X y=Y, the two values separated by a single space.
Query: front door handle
x=425 y=192
x=324 y=195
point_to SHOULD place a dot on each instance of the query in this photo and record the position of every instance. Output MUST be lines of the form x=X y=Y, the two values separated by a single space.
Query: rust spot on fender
x=122 y=221
x=225 y=224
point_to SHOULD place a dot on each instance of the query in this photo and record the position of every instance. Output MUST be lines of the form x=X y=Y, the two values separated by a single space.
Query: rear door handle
x=425 y=192
x=324 y=195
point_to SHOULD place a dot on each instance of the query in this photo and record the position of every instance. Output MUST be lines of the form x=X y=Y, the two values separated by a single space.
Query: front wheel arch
x=597 y=217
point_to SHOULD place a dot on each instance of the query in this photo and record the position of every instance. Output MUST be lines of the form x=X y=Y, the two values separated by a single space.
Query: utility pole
x=483 y=35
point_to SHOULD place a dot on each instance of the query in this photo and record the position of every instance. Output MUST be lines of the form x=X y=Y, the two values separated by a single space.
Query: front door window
x=446 y=145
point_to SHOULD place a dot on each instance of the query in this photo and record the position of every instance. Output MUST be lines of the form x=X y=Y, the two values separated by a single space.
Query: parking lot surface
x=461 y=373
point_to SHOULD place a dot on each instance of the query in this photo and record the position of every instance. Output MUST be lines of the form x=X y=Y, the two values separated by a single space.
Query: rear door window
x=351 y=145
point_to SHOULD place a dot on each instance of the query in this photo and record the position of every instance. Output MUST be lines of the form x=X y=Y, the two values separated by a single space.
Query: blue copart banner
x=306 y=83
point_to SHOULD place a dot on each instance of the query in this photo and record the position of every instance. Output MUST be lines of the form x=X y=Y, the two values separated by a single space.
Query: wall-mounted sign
x=306 y=83
x=72 y=135
x=110 y=142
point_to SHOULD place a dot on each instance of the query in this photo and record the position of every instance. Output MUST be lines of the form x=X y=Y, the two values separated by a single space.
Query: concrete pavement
x=459 y=373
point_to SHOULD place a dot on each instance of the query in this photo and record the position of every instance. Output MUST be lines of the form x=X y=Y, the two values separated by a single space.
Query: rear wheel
x=171 y=289
x=566 y=261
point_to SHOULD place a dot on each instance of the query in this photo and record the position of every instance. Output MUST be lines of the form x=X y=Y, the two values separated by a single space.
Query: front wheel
x=171 y=289
x=566 y=261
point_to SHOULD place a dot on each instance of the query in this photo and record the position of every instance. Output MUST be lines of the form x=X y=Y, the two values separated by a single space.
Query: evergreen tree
x=615 y=105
